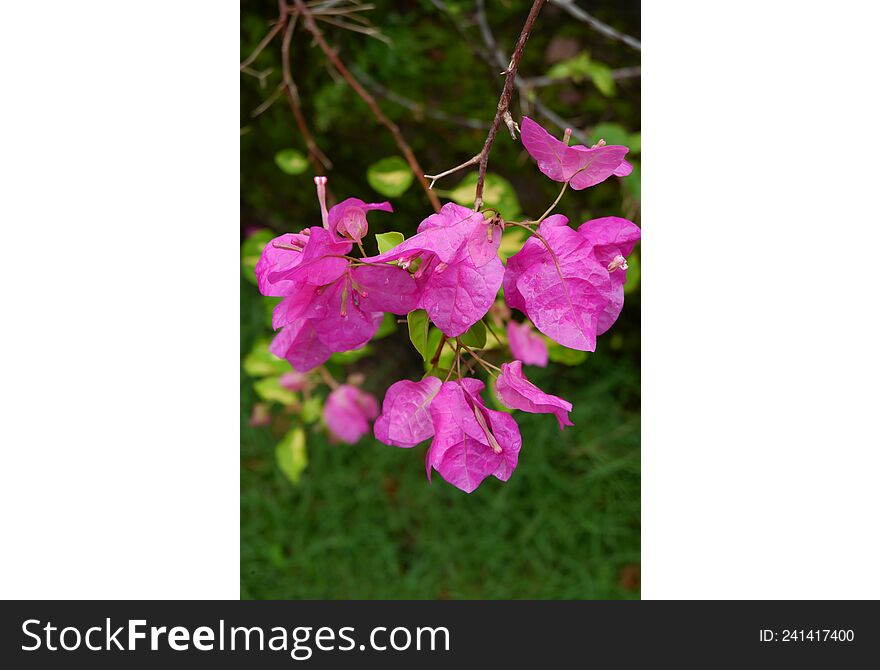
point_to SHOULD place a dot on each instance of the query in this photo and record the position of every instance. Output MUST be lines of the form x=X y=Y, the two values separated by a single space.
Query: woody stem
x=553 y=206
x=436 y=356
x=327 y=377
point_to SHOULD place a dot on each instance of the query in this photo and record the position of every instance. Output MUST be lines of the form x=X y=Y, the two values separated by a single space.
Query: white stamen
x=619 y=262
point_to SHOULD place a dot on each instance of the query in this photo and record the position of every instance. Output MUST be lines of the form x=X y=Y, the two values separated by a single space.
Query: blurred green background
x=362 y=521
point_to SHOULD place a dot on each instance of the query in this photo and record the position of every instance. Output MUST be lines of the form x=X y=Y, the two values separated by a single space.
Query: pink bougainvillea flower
x=526 y=345
x=470 y=442
x=515 y=391
x=348 y=412
x=293 y=381
x=460 y=270
x=579 y=165
x=405 y=420
x=612 y=239
x=563 y=289
x=332 y=302
x=349 y=217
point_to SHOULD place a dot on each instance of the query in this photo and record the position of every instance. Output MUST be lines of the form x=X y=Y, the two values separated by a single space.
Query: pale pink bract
x=348 y=412
x=526 y=345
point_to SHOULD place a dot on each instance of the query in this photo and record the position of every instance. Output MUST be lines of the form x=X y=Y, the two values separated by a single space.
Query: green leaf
x=260 y=362
x=633 y=182
x=290 y=453
x=635 y=143
x=387 y=241
x=576 y=68
x=603 y=79
x=291 y=161
x=388 y=326
x=270 y=390
x=497 y=192
x=251 y=249
x=390 y=176
x=418 y=323
x=475 y=337
x=270 y=302
x=633 y=274
x=312 y=409
x=612 y=133
x=564 y=355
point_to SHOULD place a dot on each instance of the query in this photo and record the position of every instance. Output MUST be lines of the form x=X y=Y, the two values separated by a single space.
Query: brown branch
x=269 y=36
x=350 y=79
x=318 y=158
x=503 y=114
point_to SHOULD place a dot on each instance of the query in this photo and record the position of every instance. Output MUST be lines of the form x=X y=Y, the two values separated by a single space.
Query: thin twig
x=318 y=158
x=502 y=113
x=597 y=25
x=277 y=27
x=268 y=102
x=333 y=57
x=522 y=86
x=469 y=161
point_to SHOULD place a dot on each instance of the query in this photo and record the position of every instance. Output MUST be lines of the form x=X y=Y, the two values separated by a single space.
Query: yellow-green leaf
x=291 y=455
x=251 y=249
x=291 y=161
x=270 y=390
x=390 y=176
x=260 y=362
x=498 y=193
x=387 y=241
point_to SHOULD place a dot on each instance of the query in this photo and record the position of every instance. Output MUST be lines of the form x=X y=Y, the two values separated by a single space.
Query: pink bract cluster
x=567 y=282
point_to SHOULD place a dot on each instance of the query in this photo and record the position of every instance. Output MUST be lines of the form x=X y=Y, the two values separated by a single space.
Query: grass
x=364 y=523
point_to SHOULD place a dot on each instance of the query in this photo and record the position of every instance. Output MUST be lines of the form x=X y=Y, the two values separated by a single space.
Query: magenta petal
x=526 y=345
x=596 y=165
x=579 y=165
x=340 y=324
x=388 y=289
x=566 y=310
x=348 y=412
x=405 y=420
x=293 y=306
x=279 y=256
x=299 y=344
x=322 y=261
x=463 y=451
x=624 y=169
x=610 y=236
x=459 y=295
x=563 y=293
x=514 y=390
